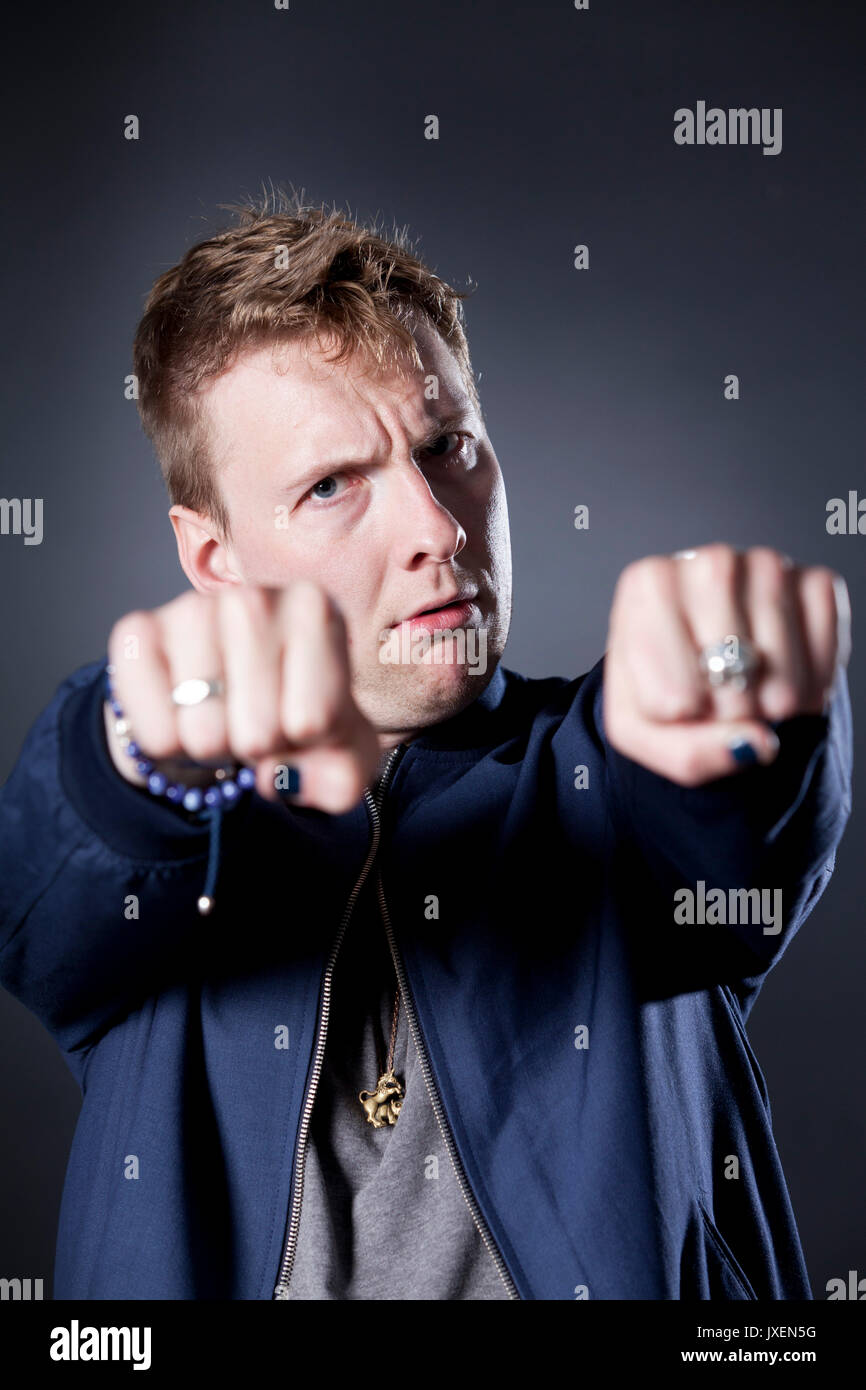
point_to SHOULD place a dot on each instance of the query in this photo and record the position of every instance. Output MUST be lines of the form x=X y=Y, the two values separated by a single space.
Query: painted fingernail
x=287 y=779
x=746 y=753
x=742 y=752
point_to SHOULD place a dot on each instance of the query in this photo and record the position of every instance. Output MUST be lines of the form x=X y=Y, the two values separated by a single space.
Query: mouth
x=454 y=612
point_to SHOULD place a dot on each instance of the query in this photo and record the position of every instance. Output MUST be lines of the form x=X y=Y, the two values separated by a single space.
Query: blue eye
x=323 y=482
x=332 y=488
x=327 y=489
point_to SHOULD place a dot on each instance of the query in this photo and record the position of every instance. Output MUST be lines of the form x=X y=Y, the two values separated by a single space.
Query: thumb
x=699 y=752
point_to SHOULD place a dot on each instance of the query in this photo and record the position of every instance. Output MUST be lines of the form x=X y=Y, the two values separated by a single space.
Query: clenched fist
x=659 y=706
x=282 y=658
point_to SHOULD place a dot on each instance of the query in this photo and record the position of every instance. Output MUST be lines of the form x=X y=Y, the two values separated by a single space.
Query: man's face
x=325 y=477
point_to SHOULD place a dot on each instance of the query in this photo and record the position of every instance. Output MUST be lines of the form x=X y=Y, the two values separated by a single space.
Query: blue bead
x=115 y=709
x=132 y=749
x=175 y=791
x=212 y=797
x=157 y=783
x=246 y=778
x=193 y=799
x=144 y=766
x=229 y=791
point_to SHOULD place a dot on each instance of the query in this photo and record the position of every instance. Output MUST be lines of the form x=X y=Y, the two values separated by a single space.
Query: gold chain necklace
x=384 y=1103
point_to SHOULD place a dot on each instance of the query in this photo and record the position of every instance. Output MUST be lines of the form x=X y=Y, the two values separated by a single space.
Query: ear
x=205 y=557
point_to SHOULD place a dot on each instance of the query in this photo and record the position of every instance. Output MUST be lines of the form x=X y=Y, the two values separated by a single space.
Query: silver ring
x=195 y=691
x=733 y=662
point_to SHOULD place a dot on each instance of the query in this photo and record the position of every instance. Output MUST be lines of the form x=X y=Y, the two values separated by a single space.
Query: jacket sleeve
x=98 y=880
x=774 y=828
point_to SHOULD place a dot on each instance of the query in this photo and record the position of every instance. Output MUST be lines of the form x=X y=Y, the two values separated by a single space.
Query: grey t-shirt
x=382 y=1213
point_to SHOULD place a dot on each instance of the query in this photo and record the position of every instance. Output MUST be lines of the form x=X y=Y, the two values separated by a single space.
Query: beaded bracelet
x=223 y=792
x=208 y=803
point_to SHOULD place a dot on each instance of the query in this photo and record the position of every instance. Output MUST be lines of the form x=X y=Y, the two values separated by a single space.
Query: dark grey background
x=603 y=387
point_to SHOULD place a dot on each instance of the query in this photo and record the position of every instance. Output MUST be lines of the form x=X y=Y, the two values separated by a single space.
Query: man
x=451 y=1003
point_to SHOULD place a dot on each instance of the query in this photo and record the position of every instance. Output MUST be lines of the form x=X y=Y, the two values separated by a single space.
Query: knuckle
x=253 y=603
x=673 y=702
x=304 y=606
x=204 y=741
x=308 y=596
x=185 y=608
x=310 y=726
x=630 y=576
x=646 y=578
x=658 y=573
x=251 y=744
x=627 y=575
x=782 y=699
x=821 y=583
x=159 y=741
x=203 y=749
x=188 y=614
x=716 y=564
x=769 y=573
x=139 y=623
x=654 y=571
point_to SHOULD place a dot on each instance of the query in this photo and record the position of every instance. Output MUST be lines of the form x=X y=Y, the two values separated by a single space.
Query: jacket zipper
x=281 y=1290
x=438 y=1110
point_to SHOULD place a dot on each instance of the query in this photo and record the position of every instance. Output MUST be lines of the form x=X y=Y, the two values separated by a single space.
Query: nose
x=423 y=528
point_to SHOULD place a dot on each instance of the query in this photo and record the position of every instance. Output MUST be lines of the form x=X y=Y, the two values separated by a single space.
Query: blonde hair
x=285 y=271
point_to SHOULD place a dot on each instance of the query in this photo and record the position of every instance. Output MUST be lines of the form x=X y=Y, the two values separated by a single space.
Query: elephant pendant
x=384 y=1104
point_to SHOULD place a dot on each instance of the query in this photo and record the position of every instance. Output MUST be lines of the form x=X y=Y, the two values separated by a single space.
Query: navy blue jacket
x=588 y=1055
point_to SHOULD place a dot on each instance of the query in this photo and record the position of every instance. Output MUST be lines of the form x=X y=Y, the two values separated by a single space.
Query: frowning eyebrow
x=325 y=466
